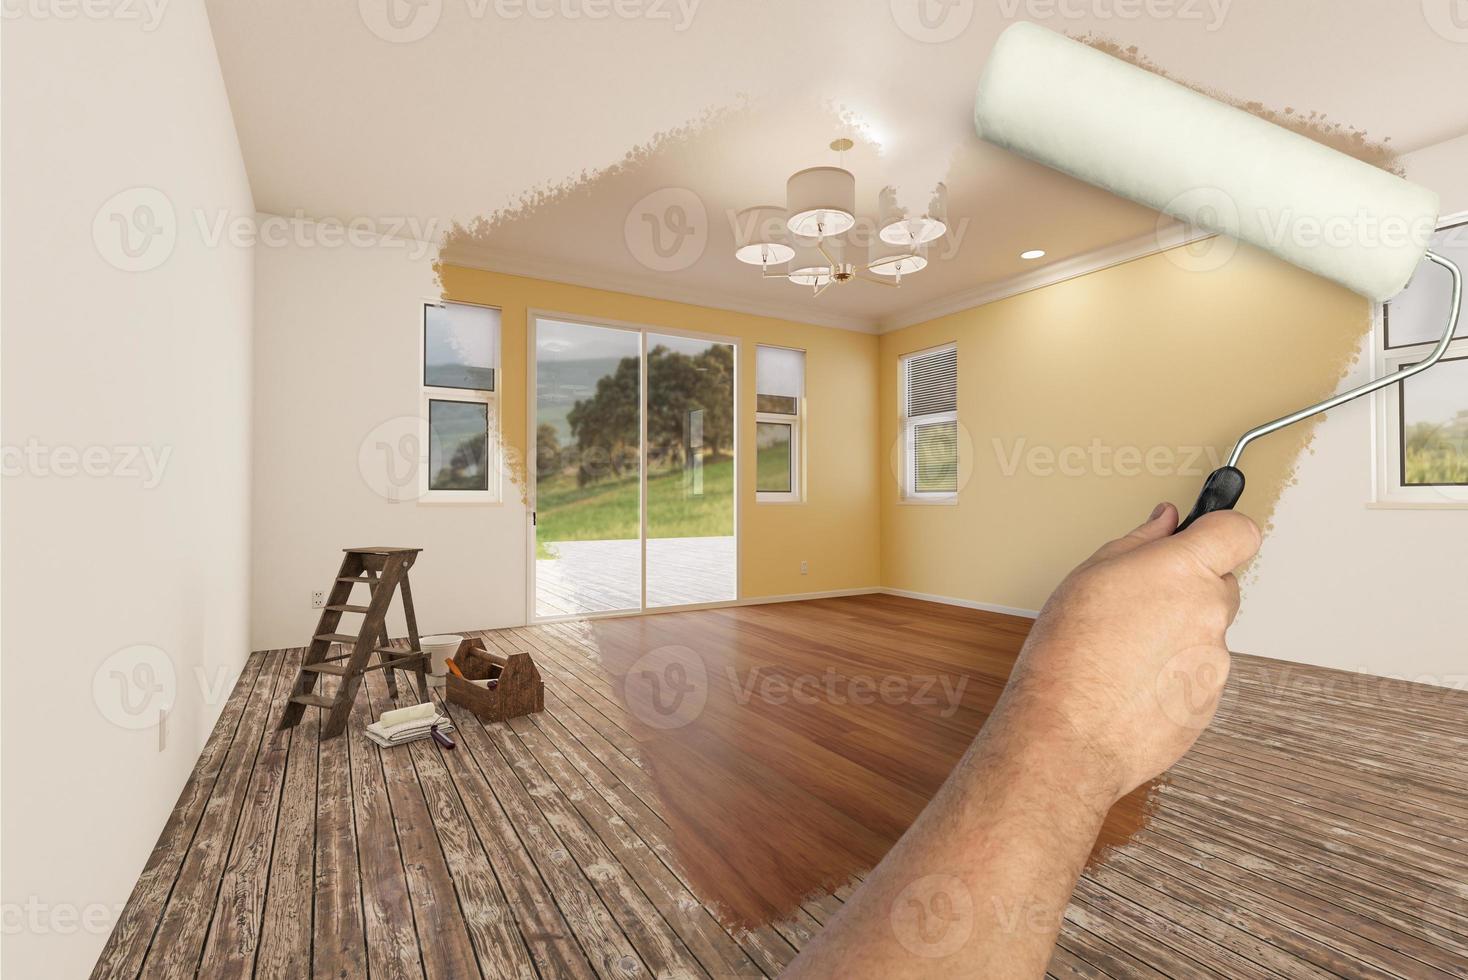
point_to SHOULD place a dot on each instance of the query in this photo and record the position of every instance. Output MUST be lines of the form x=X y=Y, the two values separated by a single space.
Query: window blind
x=932 y=382
x=779 y=379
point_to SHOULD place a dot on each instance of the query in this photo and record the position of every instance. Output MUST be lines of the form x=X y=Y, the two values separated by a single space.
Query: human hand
x=1126 y=662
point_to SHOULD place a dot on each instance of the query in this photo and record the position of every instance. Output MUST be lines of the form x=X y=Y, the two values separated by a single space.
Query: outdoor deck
x=605 y=576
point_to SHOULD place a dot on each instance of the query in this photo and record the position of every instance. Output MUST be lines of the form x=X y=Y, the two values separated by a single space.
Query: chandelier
x=819 y=240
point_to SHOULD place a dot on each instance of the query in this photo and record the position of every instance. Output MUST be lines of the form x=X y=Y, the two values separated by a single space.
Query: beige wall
x=1150 y=357
x=337 y=348
x=120 y=570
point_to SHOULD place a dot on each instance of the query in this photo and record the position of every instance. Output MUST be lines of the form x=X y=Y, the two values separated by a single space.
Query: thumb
x=1220 y=541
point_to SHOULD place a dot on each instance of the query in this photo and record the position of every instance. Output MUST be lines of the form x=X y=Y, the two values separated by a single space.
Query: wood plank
x=434 y=810
x=123 y=954
x=186 y=919
x=239 y=912
x=285 y=935
x=339 y=941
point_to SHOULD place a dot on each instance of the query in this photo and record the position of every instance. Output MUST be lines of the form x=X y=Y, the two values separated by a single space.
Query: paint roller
x=1134 y=133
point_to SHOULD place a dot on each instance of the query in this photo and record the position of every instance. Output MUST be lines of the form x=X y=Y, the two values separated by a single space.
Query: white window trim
x=796 y=493
x=494 y=454
x=907 y=494
x=793 y=495
x=1390 y=493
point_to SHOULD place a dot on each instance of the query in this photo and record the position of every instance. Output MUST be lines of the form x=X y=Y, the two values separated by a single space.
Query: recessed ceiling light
x=1034 y=253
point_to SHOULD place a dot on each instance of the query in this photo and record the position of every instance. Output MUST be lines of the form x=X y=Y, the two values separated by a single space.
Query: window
x=779 y=384
x=1423 y=422
x=929 y=386
x=460 y=355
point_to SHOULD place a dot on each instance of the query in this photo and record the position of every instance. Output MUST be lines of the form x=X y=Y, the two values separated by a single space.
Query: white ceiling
x=541 y=125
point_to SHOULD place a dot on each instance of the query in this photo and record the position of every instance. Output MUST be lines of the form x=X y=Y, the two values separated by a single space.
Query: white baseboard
x=965 y=603
x=761 y=600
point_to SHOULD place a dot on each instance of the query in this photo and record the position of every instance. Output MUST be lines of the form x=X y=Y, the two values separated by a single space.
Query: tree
x=547 y=449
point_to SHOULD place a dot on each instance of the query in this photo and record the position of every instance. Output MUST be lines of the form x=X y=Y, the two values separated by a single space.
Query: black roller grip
x=1221 y=491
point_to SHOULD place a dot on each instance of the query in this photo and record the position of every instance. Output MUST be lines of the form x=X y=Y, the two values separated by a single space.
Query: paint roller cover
x=1143 y=137
x=418 y=712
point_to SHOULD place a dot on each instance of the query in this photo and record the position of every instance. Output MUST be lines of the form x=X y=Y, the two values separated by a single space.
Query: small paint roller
x=1134 y=133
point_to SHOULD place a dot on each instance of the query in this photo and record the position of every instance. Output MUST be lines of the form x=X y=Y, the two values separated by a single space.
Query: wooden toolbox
x=515 y=687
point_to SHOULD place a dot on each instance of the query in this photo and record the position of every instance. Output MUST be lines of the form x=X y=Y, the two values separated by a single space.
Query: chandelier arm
x=879 y=282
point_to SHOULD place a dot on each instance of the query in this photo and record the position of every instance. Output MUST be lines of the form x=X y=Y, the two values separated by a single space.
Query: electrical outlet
x=318 y=599
x=804 y=567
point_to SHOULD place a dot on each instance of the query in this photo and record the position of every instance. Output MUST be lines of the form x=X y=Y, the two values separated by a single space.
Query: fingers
x=1220 y=541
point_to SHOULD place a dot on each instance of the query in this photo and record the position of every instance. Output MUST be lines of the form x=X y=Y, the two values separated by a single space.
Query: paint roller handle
x=1221 y=491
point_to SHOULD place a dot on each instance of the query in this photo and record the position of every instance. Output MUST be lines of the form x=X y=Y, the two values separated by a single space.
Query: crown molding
x=1048 y=275
x=555 y=270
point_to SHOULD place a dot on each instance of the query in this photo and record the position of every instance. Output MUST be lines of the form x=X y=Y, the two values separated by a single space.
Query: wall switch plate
x=804 y=567
x=318 y=599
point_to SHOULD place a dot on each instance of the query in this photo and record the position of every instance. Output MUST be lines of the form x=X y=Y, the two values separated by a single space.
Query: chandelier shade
x=809 y=266
x=900 y=229
x=762 y=236
x=897 y=261
x=821 y=201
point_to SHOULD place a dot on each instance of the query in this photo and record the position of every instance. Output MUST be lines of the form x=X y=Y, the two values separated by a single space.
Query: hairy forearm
x=979 y=883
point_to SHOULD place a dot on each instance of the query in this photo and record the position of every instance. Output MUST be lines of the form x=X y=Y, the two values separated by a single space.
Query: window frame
x=1389 y=457
x=796 y=422
x=907 y=488
x=490 y=398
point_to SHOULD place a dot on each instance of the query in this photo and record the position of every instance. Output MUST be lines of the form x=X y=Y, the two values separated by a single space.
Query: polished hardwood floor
x=705 y=788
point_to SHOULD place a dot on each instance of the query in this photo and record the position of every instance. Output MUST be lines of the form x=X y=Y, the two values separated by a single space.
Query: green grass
x=608 y=509
x=1436 y=465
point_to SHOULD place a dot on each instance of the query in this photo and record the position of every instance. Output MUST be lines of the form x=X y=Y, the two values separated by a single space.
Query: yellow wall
x=836 y=528
x=1148 y=355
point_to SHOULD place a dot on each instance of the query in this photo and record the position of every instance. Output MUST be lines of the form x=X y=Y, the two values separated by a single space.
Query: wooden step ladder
x=384 y=571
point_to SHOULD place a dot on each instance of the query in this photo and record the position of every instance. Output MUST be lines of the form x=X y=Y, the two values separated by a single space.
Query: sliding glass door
x=633 y=469
x=690 y=471
x=587 y=469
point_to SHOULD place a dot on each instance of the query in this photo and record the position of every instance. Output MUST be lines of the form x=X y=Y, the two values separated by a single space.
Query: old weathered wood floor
x=1317 y=830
